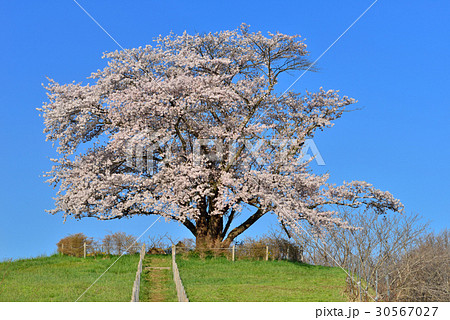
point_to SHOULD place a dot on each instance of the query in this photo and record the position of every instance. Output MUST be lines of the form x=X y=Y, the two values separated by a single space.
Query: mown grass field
x=64 y=278
x=218 y=279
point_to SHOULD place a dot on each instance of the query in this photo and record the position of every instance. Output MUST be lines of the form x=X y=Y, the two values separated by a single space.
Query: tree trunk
x=209 y=232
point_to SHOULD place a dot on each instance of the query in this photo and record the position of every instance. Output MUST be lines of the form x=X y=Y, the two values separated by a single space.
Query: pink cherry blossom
x=133 y=142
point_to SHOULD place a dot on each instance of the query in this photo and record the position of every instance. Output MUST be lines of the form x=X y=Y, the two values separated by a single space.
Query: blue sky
x=394 y=61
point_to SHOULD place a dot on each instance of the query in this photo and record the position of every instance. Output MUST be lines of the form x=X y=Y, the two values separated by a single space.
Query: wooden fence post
x=181 y=293
x=233 y=253
x=84 y=249
x=62 y=248
x=137 y=280
x=267 y=253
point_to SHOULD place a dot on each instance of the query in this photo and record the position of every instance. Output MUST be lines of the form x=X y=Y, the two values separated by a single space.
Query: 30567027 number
x=406 y=311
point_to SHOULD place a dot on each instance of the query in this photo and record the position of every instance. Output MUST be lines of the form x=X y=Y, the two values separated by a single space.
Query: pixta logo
x=150 y=153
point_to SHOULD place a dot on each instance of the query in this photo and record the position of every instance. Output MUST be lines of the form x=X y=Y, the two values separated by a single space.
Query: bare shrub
x=394 y=253
x=251 y=248
x=283 y=247
x=374 y=240
x=422 y=273
x=159 y=244
x=181 y=247
x=280 y=248
x=73 y=245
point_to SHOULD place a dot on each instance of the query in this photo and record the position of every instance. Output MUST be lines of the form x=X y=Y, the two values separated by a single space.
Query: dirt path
x=158 y=282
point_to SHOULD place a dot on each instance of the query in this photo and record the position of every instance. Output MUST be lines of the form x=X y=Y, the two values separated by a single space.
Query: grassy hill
x=219 y=279
x=64 y=278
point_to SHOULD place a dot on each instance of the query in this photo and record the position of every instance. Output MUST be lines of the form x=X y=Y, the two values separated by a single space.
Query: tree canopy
x=195 y=130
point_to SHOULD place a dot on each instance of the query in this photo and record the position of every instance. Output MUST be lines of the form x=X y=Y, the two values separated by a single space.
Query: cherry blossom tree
x=195 y=129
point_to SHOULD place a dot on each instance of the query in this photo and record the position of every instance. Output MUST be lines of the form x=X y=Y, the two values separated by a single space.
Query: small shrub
x=279 y=249
x=73 y=245
x=156 y=251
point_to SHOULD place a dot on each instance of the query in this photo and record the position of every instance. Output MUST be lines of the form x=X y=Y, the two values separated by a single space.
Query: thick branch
x=244 y=226
x=227 y=226
x=188 y=224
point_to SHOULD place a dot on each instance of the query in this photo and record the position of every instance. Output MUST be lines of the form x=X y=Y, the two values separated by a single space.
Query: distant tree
x=158 y=244
x=194 y=130
x=119 y=242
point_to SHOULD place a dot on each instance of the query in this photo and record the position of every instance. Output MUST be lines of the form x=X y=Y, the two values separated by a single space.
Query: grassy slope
x=222 y=280
x=63 y=278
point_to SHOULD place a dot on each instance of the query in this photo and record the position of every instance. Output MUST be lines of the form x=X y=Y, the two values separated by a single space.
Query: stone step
x=157 y=268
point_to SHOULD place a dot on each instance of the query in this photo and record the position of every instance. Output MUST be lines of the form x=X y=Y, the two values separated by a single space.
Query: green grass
x=64 y=278
x=219 y=279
